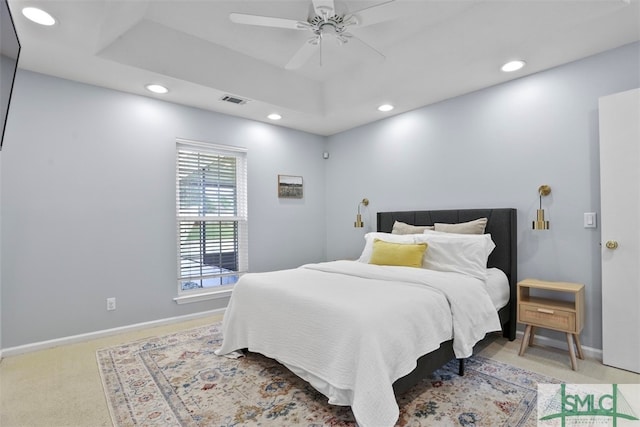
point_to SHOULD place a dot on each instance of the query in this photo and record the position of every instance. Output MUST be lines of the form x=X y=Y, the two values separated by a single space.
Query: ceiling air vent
x=233 y=100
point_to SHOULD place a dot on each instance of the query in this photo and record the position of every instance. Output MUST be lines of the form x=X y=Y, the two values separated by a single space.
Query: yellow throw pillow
x=402 y=254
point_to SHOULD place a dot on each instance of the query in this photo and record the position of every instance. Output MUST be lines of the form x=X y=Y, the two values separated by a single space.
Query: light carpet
x=177 y=380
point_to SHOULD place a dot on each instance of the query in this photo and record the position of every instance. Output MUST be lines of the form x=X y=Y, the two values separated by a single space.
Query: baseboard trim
x=28 y=348
x=590 y=352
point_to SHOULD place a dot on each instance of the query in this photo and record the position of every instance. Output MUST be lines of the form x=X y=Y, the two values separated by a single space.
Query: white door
x=620 y=219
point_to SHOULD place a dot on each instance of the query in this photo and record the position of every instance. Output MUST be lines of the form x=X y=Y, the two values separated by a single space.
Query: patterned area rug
x=177 y=380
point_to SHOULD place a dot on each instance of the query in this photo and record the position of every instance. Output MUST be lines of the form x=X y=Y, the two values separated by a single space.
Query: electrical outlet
x=111 y=304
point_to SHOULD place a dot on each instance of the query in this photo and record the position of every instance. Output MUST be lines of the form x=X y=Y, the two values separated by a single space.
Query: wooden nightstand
x=551 y=313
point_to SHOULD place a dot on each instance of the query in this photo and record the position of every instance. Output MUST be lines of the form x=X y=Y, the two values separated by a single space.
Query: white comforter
x=351 y=329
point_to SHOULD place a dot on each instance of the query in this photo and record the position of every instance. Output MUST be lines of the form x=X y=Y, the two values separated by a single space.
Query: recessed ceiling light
x=274 y=116
x=512 y=66
x=157 y=89
x=385 y=107
x=38 y=16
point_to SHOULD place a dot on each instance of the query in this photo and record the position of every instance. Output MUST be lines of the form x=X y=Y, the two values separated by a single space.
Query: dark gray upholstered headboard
x=501 y=224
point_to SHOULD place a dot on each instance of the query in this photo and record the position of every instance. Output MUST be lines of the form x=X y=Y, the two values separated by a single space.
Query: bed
x=502 y=225
x=362 y=333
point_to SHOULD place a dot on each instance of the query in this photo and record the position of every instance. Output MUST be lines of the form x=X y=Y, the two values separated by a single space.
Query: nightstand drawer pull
x=545 y=310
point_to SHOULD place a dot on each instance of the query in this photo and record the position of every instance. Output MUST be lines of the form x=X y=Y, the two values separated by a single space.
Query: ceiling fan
x=324 y=22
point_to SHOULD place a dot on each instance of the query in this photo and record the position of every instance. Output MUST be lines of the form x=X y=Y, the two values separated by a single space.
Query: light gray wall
x=492 y=148
x=88 y=205
x=7 y=66
x=87 y=176
x=0 y=256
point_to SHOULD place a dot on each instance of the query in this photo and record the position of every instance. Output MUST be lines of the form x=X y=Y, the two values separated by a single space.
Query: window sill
x=186 y=299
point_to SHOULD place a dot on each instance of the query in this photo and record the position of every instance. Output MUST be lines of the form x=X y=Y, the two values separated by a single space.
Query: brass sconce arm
x=540 y=223
x=359 y=223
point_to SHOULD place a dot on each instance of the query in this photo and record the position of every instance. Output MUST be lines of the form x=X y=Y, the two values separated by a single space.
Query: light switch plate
x=590 y=220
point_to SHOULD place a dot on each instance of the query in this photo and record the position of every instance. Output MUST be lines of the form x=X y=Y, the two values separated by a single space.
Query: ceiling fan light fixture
x=385 y=107
x=38 y=16
x=324 y=21
x=513 y=66
x=274 y=116
x=156 y=88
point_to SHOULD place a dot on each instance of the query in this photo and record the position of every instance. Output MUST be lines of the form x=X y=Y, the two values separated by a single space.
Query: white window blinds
x=211 y=204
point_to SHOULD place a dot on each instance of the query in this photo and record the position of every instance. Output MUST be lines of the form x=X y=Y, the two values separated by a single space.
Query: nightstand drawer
x=547 y=317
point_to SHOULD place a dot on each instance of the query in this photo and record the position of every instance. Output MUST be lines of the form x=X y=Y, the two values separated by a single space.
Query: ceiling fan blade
x=324 y=8
x=364 y=47
x=267 y=21
x=374 y=14
x=303 y=55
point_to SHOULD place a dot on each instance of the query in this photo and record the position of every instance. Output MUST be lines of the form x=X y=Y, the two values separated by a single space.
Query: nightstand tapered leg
x=576 y=337
x=525 y=340
x=532 y=335
x=572 y=352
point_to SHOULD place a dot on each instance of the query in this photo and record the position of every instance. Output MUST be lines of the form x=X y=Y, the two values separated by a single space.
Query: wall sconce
x=359 y=223
x=540 y=223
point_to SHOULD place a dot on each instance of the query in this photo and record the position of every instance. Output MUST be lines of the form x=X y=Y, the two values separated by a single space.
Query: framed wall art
x=290 y=186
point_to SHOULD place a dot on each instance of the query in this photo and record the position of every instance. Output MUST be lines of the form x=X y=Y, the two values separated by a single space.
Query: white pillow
x=460 y=253
x=387 y=237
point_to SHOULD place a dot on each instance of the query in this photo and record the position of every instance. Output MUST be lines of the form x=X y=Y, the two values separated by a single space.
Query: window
x=211 y=204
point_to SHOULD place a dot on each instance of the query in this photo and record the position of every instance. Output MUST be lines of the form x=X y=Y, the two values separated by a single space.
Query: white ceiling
x=434 y=49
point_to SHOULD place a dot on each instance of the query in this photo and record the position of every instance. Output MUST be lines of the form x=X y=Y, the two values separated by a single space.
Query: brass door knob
x=611 y=244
